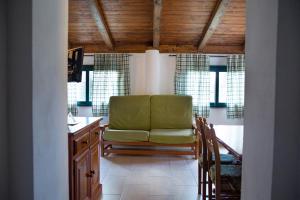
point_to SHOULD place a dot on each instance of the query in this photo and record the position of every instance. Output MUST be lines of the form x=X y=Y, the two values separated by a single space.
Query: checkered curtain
x=110 y=78
x=72 y=98
x=192 y=78
x=235 y=86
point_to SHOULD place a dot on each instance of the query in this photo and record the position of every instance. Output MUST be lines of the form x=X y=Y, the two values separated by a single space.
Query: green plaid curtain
x=111 y=78
x=72 y=98
x=235 y=86
x=192 y=78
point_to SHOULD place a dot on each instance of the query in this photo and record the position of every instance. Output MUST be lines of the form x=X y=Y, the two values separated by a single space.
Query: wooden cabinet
x=84 y=163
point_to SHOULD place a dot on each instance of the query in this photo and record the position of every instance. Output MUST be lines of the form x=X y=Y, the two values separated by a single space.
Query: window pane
x=212 y=86
x=76 y=91
x=193 y=86
x=222 y=87
x=91 y=73
x=106 y=84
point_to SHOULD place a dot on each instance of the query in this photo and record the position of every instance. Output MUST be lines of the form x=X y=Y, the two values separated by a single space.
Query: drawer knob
x=92 y=171
x=84 y=142
x=89 y=175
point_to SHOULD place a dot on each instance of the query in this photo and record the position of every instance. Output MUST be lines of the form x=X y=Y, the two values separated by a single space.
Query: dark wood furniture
x=227 y=177
x=202 y=165
x=232 y=134
x=84 y=164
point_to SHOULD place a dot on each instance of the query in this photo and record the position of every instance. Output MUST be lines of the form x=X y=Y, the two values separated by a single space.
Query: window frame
x=217 y=69
x=88 y=101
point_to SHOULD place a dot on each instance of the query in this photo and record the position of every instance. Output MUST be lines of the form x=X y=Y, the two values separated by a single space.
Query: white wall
x=36 y=97
x=139 y=82
x=50 y=138
x=271 y=159
x=286 y=161
x=19 y=98
x=3 y=104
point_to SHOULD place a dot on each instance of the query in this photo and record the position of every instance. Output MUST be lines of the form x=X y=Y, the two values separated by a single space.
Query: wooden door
x=82 y=177
x=95 y=183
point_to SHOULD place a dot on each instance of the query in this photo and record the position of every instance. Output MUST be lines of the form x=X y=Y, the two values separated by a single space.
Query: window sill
x=218 y=105
x=84 y=103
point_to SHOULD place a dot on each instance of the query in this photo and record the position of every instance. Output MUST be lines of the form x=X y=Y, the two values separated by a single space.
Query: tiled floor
x=149 y=178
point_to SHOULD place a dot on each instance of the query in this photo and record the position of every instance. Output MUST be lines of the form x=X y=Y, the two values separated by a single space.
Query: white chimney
x=152 y=72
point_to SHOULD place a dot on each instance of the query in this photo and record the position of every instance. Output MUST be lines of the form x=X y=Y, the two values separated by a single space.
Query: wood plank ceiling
x=172 y=26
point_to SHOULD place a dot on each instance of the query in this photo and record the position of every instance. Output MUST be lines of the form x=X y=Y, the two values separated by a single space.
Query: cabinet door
x=95 y=171
x=82 y=177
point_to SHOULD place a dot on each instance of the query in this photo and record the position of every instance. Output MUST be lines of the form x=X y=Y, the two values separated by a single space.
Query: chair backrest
x=200 y=124
x=213 y=149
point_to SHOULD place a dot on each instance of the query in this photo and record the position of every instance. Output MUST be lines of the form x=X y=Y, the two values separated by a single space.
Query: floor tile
x=161 y=186
x=149 y=177
x=113 y=185
x=135 y=192
x=183 y=177
x=161 y=197
x=110 y=197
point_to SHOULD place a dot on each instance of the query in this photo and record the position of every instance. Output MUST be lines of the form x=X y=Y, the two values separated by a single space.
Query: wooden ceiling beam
x=156 y=22
x=213 y=22
x=97 y=12
x=141 y=48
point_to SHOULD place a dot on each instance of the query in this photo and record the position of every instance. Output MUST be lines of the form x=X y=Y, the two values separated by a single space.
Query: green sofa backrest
x=171 y=112
x=129 y=112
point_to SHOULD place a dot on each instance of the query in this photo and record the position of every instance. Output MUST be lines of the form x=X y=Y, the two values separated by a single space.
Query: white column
x=152 y=72
x=49 y=82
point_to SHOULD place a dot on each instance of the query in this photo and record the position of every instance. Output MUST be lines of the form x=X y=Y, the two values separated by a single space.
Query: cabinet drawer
x=81 y=143
x=95 y=133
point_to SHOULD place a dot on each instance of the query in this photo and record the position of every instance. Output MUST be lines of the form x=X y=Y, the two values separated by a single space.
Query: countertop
x=82 y=122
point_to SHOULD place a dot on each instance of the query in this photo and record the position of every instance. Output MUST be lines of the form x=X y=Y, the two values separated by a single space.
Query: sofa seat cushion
x=126 y=135
x=172 y=136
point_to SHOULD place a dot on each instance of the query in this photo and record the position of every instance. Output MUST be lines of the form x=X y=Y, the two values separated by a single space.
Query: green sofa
x=144 y=120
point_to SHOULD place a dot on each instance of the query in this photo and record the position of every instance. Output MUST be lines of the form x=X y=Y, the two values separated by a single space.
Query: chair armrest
x=103 y=127
x=194 y=126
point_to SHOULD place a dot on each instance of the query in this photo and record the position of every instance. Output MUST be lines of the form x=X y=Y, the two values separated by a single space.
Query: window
x=80 y=93
x=218 y=86
x=192 y=85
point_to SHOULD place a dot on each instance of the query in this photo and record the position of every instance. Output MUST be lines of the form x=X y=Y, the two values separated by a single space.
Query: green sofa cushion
x=171 y=112
x=126 y=135
x=129 y=112
x=172 y=136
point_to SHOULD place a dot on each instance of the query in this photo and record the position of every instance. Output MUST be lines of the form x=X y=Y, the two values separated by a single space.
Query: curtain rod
x=216 y=56
x=92 y=54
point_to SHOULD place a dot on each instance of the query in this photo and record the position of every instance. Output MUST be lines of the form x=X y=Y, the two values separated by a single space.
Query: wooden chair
x=225 y=177
x=202 y=168
x=202 y=164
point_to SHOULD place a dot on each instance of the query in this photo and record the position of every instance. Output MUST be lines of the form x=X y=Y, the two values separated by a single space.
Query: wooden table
x=231 y=138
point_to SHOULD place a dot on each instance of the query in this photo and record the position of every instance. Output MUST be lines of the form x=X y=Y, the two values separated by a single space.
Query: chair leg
x=209 y=189
x=196 y=152
x=200 y=181
x=204 y=184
